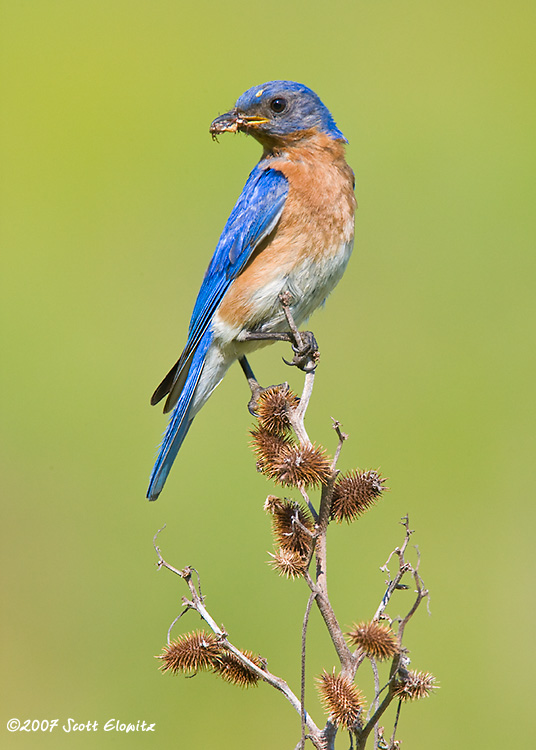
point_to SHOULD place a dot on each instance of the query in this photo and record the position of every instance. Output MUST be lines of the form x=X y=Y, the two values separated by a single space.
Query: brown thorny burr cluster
x=291 y=464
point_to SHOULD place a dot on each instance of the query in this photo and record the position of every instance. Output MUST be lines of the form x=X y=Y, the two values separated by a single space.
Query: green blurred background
x=113 y=197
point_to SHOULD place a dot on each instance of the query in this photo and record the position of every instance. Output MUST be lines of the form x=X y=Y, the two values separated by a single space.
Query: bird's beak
x=233 y=121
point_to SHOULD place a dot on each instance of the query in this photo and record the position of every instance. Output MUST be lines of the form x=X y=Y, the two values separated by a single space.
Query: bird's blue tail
x=180 y=421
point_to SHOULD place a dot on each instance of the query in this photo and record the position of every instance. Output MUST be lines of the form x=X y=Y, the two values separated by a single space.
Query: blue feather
x=253 y=218
x=180 y=421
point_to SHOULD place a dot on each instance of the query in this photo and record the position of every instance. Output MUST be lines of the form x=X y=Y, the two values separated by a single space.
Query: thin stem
x=395 y=727
x=175 y=621
x=342 y=437
x=376 y=702
x=303 y=643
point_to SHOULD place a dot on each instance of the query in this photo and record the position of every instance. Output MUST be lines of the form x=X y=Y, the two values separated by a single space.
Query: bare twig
x=197 y=603
x=376 y=702
x=395 y=725
x=302 y=687
x=305 y=495
x=296 y=416
x=342 y=437
x=393 y=585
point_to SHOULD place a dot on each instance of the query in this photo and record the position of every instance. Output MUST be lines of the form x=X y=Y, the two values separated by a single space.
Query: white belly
x=309 y=283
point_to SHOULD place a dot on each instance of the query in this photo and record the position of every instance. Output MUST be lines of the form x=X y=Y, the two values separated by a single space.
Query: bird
x=283 y=249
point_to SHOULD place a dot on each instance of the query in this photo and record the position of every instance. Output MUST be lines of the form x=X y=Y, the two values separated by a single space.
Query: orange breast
x=317 y=220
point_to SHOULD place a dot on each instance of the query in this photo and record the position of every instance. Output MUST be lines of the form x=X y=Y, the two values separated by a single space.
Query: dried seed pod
x=341 y=699
x=273 y=503
x=269 y=447
x=232 y=670
x=354 y=493
x=289 y=464
x=415 y=685
x=295 y=466
x=288 y=563
x=273 y=407
x=292 y=527
x=190 y=652
x=375 y=639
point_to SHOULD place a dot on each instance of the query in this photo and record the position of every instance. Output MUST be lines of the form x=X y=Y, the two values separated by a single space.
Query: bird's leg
x=254 y=385
x=303 y=343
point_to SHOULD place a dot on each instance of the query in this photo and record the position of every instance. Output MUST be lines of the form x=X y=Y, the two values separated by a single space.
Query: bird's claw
x=307 y=355
x=258 y=391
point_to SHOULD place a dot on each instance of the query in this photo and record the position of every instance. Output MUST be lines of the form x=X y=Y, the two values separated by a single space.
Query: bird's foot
x=306 y=354
x=255 y=387
x=256 y=393
x=304 y=346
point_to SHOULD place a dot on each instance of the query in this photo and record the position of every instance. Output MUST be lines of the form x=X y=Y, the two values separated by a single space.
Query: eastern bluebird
x=291 y=232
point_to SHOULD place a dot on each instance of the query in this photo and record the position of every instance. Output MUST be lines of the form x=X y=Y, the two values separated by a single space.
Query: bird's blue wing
x=254 y=216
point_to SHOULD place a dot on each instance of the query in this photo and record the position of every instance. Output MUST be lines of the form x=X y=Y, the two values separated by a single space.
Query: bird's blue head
x=278 y=110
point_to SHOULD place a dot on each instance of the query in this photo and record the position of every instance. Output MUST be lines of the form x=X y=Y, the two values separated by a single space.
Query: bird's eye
x=278 y=105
